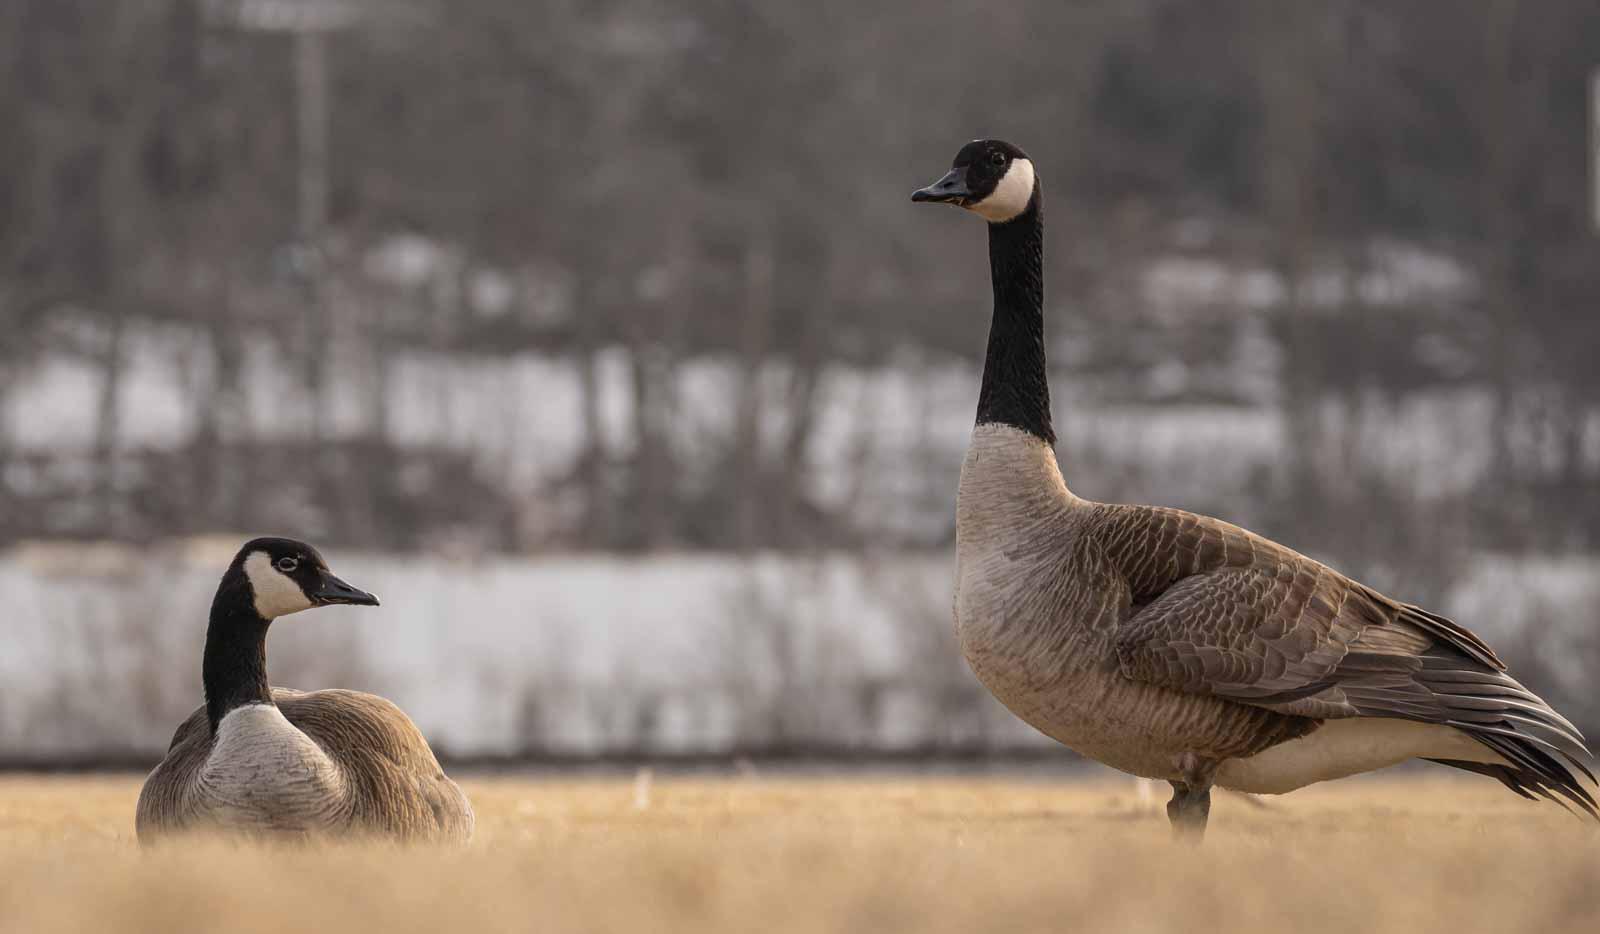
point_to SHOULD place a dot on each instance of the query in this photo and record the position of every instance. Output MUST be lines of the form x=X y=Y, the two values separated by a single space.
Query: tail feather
x=1544 y=752
x=1537 y=770
x=1453 y=678
x=1505 y=775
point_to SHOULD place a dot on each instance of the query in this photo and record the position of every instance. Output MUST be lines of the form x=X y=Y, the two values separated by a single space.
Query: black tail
x=1530 y=785
x=1544 y=752
x=1458 y=681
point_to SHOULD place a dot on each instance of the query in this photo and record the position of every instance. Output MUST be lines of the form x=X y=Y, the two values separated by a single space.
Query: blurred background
x=601 y=340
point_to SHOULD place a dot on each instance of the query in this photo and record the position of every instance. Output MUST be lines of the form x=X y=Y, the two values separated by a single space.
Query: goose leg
x=1191 y=798
x=1188 y=811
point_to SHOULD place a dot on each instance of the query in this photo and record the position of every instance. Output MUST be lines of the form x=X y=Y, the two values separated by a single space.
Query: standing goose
x=264 y=760
x=1176 y=646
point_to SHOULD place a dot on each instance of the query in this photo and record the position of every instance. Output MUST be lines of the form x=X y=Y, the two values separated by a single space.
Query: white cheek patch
x=276 y=594
x=1011 y=196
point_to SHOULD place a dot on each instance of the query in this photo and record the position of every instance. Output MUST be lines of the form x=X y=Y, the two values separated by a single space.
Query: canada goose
x=272 y=761
x=1179 y=647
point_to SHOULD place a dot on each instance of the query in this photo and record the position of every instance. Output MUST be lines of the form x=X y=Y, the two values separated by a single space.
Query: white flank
x=263 y=772
x=1347 y=747
x=276 y=594
x=1011 y=196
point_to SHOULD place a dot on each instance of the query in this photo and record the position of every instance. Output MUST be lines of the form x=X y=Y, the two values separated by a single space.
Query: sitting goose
x=265 y=760
x=1179 y=647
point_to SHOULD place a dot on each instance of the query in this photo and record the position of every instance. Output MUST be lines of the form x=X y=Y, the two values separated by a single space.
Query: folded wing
x=1220 y=611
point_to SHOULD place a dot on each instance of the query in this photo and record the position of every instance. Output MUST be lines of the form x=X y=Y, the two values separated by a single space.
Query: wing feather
x=1217 y=610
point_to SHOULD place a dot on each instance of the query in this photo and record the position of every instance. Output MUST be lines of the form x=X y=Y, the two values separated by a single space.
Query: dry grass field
x=829 y=854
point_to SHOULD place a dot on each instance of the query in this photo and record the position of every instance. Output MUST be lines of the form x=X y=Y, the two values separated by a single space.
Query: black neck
x=1015 y=390
x=235 y=665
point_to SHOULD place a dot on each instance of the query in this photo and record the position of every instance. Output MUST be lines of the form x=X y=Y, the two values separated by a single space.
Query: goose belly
x=264 y=774
x=1137 y=728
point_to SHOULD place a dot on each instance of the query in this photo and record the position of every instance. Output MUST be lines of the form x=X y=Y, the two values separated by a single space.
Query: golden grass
x=796 y=854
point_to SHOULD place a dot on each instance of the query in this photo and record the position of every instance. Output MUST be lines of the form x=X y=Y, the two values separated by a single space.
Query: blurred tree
x=671 y=186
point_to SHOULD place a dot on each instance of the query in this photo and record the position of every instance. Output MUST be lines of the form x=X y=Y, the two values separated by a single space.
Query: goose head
x=279 y=576
x=989 y=177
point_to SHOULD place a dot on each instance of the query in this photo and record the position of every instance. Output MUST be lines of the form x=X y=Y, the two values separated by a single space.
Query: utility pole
x=1594 y=147
x=311 y=98
x=308 y=23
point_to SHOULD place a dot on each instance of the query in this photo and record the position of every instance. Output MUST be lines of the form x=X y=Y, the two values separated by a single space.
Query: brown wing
x=162 y=806
x=1218 y=610
x=398 y=785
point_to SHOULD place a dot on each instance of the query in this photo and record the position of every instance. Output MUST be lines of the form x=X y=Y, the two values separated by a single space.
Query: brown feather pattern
x=389 y=782
x=1221 y=611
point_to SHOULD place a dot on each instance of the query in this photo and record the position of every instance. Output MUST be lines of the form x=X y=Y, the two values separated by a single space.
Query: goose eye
x=288 y=565
x=998 y=158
